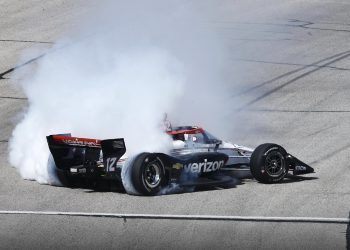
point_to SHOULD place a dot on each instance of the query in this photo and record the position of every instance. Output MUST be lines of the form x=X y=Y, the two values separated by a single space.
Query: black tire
x=268 y=163
x=144 y=175
x=58 y=177
x=63 y=177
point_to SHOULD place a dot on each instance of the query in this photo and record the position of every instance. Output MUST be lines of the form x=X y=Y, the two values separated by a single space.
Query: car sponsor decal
x=204 y=167
x=76 y=141
x=177 y=166
x=271 y=149
x=81 y=143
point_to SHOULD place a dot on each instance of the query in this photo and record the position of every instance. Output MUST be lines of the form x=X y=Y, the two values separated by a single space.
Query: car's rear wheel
x=268 y=163
x=144 y=175
x=58 y=176
x=63 y=178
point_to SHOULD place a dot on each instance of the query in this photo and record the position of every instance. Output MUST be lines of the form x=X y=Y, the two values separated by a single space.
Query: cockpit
x=189 y=134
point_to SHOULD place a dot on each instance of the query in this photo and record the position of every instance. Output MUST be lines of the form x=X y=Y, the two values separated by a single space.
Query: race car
x=197 y=158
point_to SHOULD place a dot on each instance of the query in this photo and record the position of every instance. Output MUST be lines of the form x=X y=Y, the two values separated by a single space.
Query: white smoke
x=131 y=62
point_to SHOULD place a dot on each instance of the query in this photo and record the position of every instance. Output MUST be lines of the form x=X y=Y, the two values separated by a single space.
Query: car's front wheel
x=268 y=163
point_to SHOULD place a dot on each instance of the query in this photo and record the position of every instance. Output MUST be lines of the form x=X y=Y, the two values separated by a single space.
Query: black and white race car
x=197 y=158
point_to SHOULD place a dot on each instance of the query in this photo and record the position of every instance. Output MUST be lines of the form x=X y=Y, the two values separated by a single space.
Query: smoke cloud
x=128 y=64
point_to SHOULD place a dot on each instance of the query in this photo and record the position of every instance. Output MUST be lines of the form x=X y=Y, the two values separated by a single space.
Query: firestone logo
x=203 y=166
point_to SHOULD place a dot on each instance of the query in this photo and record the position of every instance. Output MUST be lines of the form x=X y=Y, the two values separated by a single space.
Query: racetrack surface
x=294 y=62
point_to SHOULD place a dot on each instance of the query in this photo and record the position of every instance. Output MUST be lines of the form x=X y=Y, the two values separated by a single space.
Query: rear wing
x=68 y=151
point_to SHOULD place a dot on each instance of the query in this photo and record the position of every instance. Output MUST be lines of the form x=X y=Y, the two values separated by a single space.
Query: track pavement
x=294 y=90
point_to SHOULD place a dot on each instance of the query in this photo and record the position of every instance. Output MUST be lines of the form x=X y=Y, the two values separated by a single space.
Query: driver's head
x=179 y=137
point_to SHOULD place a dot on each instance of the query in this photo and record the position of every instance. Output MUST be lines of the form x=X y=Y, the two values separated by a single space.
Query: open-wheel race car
x=197 y=158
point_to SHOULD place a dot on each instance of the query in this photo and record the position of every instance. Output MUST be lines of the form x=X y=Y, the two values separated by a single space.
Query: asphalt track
x=294 y=90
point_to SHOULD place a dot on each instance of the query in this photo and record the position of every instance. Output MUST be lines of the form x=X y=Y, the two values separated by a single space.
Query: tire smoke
x=128 y=64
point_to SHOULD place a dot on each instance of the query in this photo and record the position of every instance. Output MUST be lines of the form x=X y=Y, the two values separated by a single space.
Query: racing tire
x=64 y=179
x=144 y=175
x=268 y=163
x=58 y=177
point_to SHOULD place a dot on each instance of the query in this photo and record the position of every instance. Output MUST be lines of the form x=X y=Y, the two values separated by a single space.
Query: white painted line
x=187 y=217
